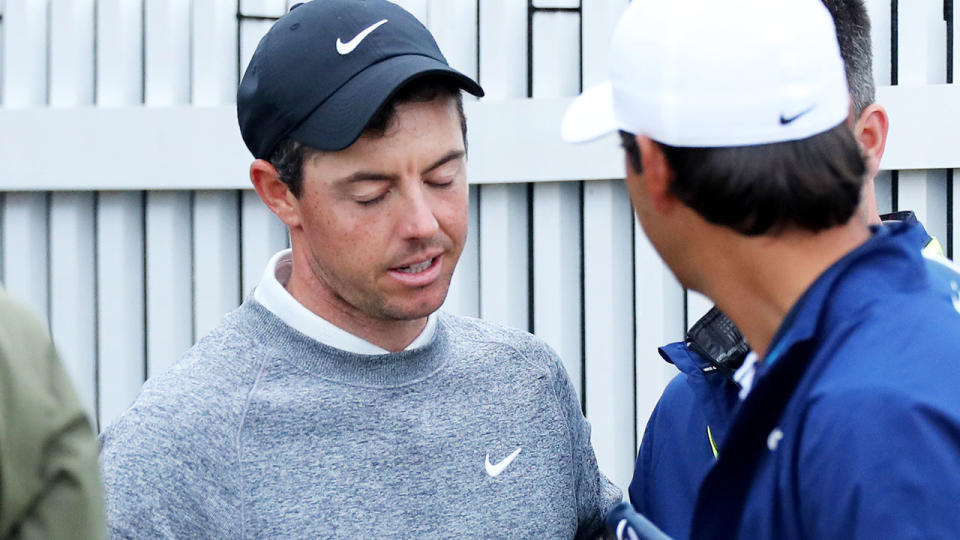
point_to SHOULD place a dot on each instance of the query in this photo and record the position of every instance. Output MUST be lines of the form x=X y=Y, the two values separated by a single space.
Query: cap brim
x=340 y=120
x=590 y=116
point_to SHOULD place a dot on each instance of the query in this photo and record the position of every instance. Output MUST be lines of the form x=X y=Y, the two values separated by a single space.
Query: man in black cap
x=336 y=401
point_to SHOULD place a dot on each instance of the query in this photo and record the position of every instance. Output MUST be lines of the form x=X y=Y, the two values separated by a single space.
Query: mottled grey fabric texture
x=262 y=432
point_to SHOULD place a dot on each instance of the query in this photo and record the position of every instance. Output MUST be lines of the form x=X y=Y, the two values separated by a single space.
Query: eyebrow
x=363 y=176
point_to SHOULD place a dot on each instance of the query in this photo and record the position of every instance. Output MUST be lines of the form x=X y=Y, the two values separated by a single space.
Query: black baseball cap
x=326 y=67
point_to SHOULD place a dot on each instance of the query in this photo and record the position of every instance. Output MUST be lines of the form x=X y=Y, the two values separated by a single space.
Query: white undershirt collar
x=272 y=294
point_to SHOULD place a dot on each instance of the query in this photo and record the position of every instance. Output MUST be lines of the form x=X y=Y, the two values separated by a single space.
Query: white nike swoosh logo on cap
x=494 y=470
x=348 y=47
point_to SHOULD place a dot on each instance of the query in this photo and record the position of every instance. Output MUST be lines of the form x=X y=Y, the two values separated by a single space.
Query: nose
x=418 y=219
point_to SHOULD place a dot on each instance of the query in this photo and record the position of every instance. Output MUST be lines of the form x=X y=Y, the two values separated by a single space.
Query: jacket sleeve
x=49 y=483
x=596 y=495
x=879 y=464
x=641 y=473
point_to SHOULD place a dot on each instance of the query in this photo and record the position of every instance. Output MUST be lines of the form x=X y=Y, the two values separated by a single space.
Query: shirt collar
x=272 y=294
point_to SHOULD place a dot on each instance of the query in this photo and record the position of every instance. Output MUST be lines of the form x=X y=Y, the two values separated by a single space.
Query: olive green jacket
x=49 y=485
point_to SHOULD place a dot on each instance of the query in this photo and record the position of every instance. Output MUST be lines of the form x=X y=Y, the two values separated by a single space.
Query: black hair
x=811 y=184
x=290 y=155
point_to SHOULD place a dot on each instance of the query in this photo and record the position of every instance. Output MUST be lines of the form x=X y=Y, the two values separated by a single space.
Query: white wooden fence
x=125 y=216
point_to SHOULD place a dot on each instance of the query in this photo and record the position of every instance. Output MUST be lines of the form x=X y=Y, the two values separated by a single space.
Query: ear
x=274 y=192
x=657 y=174
x=871 y=132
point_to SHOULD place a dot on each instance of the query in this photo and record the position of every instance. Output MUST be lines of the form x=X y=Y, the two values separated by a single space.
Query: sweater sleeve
x=49 y=486
x=596 y=495
x=170 y=467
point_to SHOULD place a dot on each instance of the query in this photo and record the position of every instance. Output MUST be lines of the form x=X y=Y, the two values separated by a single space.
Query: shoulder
x=481 y=335
x=871 y=456
x=185 y=421
x=482 y=331
x=21 y=332
x=171 y=460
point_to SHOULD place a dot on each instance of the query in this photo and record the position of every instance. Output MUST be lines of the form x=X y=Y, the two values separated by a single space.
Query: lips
x=417 y=273
x=416 y=268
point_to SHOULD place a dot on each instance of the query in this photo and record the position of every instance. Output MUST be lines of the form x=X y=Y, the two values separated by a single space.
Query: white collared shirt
x=272 y=294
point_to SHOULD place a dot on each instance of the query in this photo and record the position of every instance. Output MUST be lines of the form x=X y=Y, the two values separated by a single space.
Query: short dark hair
x=853 y=34
x=290 y=155
x=811 y=184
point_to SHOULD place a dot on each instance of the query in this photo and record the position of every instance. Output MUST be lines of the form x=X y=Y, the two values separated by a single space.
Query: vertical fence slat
x=25 y=214
x=167 y=52
x=956 y=172
x=72 y=264
x=556 y=205
x=417 y=8
x=121 y=322
x=216 y=258
x=463 y=297
x=503 y=254
x=503 y=48
x=262 y=234
x=119 y=53
x=25 y=241
x=697 y=306
x=454 y=26
x=71 y=53
x=922 y=49
x=214 y=72
x=2 y=85
x=25 y=53
x=168 y=216
x=609 y=339
x=556 y=273
x=120 y=306
x=659 y=320
x=599 y=20
x=169 y=281
x=216 y=214
x=3 y=205
x=72 y=287
x=504 y=291
x=879 y=13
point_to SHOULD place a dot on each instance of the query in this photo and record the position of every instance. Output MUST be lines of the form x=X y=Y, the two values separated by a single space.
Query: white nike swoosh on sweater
x=348 y=47
x=494 y=470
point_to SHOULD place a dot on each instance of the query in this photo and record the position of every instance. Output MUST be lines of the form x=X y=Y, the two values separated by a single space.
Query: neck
x=308 y=289
x=758 y=281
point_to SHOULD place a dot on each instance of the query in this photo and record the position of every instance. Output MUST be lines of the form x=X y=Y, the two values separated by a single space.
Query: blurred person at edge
x=49 y=483
x=745 y=174
x=337 y=401
x=682 y=438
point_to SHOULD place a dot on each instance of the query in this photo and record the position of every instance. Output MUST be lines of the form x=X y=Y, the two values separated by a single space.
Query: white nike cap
x=716 y=73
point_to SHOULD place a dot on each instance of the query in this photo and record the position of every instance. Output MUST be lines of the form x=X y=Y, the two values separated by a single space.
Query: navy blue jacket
x=852 y=343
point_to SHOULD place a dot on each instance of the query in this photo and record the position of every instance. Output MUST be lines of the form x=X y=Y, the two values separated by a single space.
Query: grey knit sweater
x=262 y=432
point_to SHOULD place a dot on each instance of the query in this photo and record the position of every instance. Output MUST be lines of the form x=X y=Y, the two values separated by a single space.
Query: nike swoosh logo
x=494 y=470
x=348 y=47
x=784 y=120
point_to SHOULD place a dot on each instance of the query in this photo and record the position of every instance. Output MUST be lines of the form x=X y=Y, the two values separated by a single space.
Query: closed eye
x=373 y=200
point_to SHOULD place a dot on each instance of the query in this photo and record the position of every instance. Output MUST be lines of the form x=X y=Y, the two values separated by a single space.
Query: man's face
x=382 y=223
